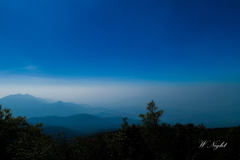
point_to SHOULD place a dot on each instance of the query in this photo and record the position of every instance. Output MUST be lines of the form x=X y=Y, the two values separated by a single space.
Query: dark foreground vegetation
x=150 y=141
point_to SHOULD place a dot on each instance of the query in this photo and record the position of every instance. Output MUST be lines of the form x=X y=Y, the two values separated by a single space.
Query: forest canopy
x=149 y=140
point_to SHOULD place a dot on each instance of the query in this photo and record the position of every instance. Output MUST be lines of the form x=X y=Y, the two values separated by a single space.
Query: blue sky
x=120 y=42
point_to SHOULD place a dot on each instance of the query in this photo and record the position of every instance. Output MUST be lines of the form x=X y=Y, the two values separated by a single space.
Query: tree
x=152 y=117
x=20 y=140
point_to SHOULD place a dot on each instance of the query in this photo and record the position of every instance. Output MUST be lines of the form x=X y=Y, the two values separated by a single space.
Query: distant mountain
x=24 y=105
x=30 y=106
x=46 y=100
x=82 y=123
x=217 y=116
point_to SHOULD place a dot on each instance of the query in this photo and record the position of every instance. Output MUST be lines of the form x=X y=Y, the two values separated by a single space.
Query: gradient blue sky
x=125 y=42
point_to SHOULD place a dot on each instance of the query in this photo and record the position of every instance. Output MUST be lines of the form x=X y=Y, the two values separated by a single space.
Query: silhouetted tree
x=20 y=140
x=152 y=117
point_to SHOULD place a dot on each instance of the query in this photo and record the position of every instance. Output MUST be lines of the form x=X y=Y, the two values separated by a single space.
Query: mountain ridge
x=82 y=123
x=30 y=106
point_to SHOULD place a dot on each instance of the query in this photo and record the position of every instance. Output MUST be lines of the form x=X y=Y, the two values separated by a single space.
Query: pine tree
x=152 y=117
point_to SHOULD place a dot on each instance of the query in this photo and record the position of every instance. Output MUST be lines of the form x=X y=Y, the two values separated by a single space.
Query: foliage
x=20 y=140
x=152 y=117
x=153 y=141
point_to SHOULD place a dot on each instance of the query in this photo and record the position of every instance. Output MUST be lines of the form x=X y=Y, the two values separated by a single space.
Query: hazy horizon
x=166 y=95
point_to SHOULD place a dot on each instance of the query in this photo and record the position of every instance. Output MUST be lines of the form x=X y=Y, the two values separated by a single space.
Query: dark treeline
x=151 y=141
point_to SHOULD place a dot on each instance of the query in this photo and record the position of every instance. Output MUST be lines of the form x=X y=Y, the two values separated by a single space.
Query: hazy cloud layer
x=31 y=67
x=100 y=92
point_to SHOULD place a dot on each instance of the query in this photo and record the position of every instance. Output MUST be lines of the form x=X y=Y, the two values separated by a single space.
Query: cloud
x=114 y=93
x=83 y=90
x=31 y=67
x=19 y=71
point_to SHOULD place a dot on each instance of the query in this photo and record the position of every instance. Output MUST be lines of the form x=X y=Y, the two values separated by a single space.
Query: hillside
x=82 y=123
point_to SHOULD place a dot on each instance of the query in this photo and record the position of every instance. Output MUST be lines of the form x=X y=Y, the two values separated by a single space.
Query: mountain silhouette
x=217 y=116
x=30 y=106
x=81 y=123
